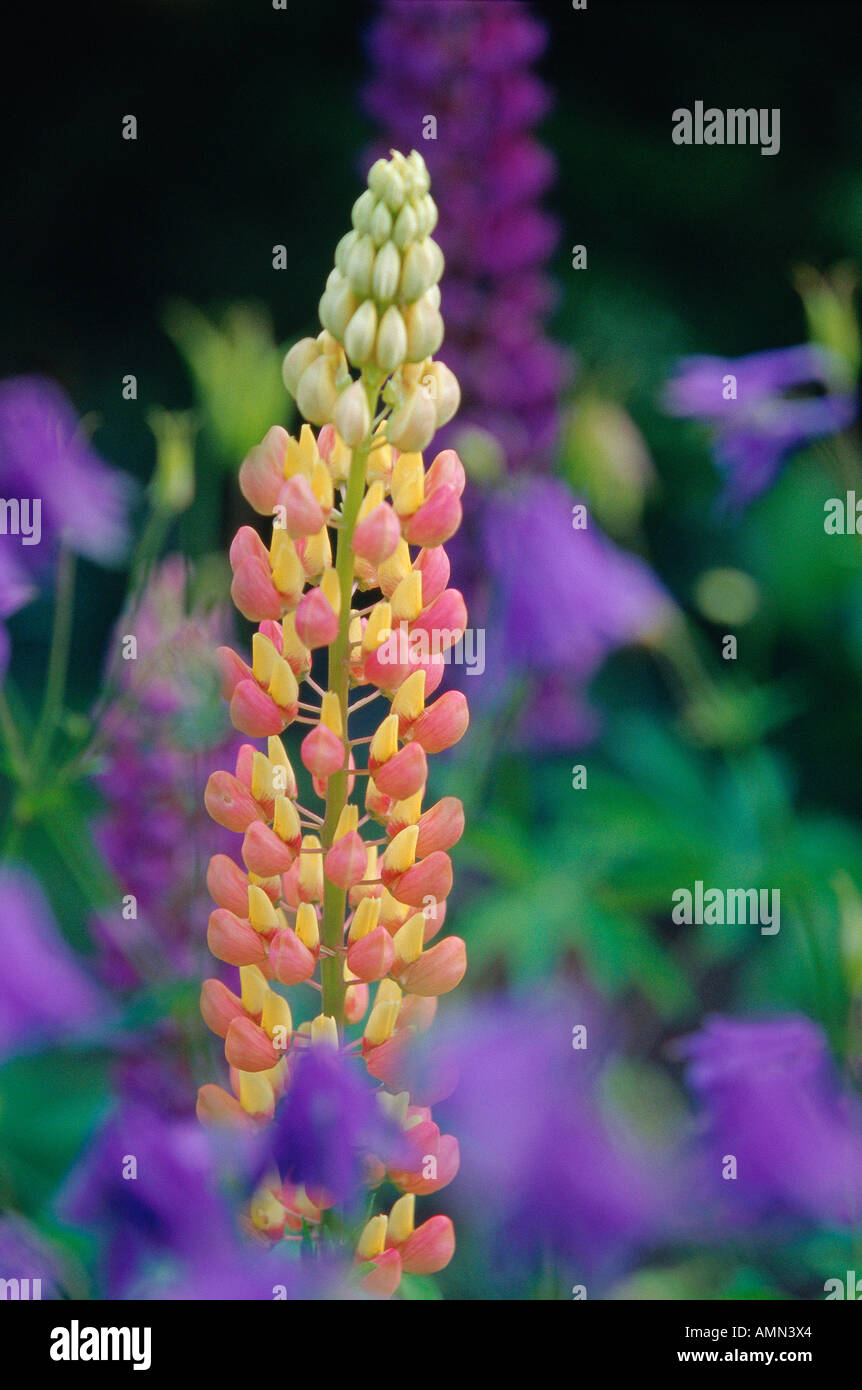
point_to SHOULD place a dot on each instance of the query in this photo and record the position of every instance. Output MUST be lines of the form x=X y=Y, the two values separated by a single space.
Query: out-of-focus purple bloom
x=563 y=600
x=784 y=400
x=45 y=454
x=542 y=1170
x=148 y=1185
x=25 y=1254
x=45 y=992
x=327 y=1120
x=252 y=1274
x=771 y=1098
x=161 y=739
x=467 y=64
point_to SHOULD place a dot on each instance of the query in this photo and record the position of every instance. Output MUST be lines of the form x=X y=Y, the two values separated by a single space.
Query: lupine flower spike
x=356 y=566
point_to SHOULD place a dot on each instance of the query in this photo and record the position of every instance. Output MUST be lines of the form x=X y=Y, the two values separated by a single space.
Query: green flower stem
x=12 y=743
x=17 y=731
x=335 y=899
x=58 y=666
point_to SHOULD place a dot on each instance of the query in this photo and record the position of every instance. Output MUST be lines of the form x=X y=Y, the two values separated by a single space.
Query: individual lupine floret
x=314 y=902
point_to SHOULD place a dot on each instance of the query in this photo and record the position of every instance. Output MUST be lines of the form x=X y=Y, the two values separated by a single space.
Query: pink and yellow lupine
x=356 y=513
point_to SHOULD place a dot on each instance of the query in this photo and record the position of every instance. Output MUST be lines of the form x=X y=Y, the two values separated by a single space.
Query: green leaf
x=49 y=1104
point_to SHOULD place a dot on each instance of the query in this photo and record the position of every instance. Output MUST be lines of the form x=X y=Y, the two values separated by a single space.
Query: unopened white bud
x=419 y=176
x=406 y=227
x=337 y=306
x=441 y=384
x=437 y=262
x=426 y=213
x=352 y=416
x=343 y=249
x=360 y=265
x=417 y=273
x=363 y=210
x=394 y=191
x=316 y=391
x=301 y=355
x=411 y=426
x=424 y=330
x=377 y=176
x=328 y=344
x=381 y=224
x=391 y=347
x=360 y=334
x=387 y=273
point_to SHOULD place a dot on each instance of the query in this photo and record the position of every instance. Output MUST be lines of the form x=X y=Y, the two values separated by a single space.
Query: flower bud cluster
x=380 y=313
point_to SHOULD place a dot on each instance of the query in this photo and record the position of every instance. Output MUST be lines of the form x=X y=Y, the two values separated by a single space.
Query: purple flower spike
x=468 y=63
x=162 y=739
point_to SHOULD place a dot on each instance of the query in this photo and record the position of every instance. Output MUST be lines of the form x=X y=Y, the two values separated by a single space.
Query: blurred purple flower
x=770 y=416
x=327 y=1120
x=770 y=1097
x=161 y=738
x=252 y=1274
x=563 y=600
x=542 y=1169
x=148 y=1187
x=468 y=63
x=45 y=454
x=45 y=993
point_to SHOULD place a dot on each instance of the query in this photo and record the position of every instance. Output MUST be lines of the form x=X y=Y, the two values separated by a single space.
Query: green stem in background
x=58 y=666
x=335 y=899
x=17 y=731
x=472 y=776
x=11 y=740
x=676 y=650
x=28 y=766
x=94 y=881
x=11 y=837
x=147 y=553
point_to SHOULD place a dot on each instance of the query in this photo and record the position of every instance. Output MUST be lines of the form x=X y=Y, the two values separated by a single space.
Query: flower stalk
x=334 y=900
x=316 y=901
